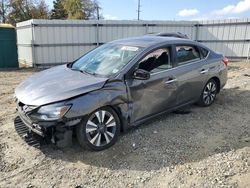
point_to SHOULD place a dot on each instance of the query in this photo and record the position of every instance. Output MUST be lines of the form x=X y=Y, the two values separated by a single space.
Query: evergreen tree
x=58 y=11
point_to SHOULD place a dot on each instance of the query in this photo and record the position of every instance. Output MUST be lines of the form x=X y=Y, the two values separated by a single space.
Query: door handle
x=171 y=81
x=203 y=71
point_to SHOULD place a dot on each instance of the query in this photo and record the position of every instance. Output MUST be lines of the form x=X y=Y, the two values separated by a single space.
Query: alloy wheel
x=101 y=128
x=209 y=93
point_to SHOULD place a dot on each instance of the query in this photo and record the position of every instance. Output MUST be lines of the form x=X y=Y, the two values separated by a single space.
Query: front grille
x=24 y=111
x=30 y=138
x=31 y=125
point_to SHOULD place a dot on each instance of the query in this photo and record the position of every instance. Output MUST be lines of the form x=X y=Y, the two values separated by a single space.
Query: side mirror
x=141 y=74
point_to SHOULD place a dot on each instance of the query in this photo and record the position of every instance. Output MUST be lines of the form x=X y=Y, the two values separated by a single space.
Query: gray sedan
x=119 y=85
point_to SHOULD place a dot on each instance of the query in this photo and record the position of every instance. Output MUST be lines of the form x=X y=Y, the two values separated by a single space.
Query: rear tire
x=209 y=93
x=99 y=130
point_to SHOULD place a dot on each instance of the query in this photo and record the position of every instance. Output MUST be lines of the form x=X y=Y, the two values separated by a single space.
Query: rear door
x=191 y=72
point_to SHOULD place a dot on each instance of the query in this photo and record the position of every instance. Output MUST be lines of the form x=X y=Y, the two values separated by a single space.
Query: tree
x=22 y=10
x=97 y=15
x=92 y=9
x=4 y=6
x=82 y=9
x=40 y=11
x=74 y=9
x=58 y=11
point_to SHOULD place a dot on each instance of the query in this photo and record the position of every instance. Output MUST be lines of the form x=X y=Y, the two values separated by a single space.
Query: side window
x=204 y=52
x=156 y=61
x=186 y=54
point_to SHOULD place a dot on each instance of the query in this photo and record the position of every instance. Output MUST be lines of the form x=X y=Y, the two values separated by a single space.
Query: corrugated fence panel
x=24 y=41
x=173 y=26
x=112 y=30
x=230 y=37
x=62 y=41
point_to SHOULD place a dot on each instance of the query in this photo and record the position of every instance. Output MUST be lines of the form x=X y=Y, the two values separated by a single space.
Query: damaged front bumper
x=34 y=127
x=58 y=132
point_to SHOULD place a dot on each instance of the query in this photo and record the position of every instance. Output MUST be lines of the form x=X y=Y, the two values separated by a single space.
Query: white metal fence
x=49 y=42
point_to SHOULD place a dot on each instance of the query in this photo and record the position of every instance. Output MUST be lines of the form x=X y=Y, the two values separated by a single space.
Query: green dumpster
x=8 y=47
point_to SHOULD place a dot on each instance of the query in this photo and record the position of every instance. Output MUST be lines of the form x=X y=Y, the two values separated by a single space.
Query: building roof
x=6 y=26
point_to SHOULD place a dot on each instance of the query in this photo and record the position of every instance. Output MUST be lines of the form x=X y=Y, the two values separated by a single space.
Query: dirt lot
x=209 y=147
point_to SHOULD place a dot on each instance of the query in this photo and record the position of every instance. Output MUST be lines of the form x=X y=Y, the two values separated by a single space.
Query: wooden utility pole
x=97 y=11
x=97 y=8
x=139 y=9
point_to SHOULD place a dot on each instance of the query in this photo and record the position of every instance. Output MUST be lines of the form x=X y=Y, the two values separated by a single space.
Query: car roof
x=150 y=40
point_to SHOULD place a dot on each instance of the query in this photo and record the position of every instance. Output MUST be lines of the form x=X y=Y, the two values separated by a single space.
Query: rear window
x=204 y=52
x=186 y=54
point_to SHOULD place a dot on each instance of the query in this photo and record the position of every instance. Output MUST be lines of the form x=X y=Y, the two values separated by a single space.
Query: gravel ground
x=209 y=147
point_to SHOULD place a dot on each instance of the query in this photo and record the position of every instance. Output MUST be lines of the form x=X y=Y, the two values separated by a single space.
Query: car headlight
x=52 y=112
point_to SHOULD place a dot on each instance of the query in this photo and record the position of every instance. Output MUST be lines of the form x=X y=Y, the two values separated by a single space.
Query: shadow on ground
x=173 y=139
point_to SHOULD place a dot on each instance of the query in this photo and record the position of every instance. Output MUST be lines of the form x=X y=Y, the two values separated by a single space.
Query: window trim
x=179 y=66
x=175 y=63
x=172 y=58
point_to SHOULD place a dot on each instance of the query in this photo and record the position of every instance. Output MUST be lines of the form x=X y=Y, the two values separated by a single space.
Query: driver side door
x=158 y=93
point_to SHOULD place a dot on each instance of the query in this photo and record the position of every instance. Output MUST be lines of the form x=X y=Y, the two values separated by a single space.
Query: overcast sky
x=174 y=9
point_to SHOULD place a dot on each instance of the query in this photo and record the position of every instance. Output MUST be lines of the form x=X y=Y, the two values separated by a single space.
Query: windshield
x=107 y=59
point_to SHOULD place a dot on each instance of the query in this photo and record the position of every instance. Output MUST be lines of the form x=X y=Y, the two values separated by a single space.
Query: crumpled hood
x=56 y=84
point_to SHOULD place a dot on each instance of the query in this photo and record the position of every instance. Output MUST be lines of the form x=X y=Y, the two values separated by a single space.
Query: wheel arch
x=123 y=121
x=217 y=80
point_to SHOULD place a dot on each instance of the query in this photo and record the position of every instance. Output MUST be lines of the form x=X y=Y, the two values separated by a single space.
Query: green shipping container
x=8 y=47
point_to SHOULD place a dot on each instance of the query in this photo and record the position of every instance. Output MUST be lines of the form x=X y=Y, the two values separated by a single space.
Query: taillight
x=225 y=61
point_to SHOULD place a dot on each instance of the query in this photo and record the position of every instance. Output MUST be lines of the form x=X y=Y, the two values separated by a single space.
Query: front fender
x=113 y=94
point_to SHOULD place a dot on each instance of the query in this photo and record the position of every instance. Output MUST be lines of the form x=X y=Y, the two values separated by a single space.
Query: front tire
x=99 y=130
x=209 y=93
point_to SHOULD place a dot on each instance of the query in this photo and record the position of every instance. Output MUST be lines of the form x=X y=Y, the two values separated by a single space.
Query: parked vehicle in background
x=118 y=85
